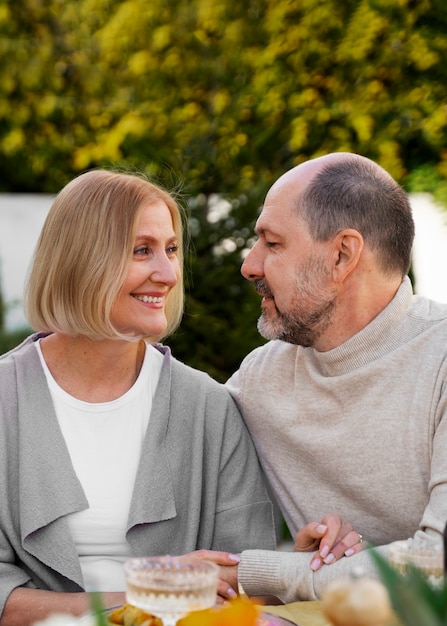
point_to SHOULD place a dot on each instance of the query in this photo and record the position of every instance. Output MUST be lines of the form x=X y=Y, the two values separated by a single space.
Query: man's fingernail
x=324 y=551
x=235 y=557
x=315 y=564
x=329 y=559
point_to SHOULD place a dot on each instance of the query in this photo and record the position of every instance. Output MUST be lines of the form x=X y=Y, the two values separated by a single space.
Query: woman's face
x=139 y=309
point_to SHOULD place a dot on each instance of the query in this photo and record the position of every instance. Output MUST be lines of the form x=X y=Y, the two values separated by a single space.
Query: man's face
x=292 y=273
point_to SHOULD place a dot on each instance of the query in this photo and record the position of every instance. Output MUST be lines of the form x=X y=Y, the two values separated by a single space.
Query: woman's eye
x=141 y=250
x=172 y=249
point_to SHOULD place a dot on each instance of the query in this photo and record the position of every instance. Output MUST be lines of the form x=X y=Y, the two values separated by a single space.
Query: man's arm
x=287 y=575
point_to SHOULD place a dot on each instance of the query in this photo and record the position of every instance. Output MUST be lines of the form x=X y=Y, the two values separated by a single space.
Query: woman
x=109 y=447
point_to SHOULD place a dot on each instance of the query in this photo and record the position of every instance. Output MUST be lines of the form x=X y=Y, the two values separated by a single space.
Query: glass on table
x=169 y=587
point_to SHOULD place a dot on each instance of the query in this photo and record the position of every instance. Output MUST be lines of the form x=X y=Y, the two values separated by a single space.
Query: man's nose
x=252 y=267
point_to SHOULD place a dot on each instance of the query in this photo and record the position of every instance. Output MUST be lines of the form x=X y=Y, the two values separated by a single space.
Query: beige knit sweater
x=360 y=430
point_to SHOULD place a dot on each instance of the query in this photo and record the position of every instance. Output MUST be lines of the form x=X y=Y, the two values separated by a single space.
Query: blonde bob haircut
x=85 y=249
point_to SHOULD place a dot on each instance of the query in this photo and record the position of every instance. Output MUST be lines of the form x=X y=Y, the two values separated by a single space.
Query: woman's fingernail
x=324 y=551
x=349 y=552
x=322 y=528
x=315 y=564
x=329 y=559
x=231 y=593
x=235 y=557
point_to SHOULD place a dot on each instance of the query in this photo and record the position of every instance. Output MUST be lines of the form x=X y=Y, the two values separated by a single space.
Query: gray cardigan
x=198 y=485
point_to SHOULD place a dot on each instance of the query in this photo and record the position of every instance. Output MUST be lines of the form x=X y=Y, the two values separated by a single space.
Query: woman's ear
x=348 y=246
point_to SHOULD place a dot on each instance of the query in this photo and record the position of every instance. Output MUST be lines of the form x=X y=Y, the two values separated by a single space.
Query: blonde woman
x=109 y=447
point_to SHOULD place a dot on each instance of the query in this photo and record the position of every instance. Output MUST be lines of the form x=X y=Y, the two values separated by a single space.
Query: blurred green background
x=217 y=98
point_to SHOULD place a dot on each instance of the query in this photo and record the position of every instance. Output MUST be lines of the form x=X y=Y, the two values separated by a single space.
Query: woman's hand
x=332 y=538
x=228 y=563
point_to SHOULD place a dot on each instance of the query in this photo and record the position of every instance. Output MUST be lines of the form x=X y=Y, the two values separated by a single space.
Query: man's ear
x=348 y=246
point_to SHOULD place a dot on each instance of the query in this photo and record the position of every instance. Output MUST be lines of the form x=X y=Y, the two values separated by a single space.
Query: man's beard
x=310 y=313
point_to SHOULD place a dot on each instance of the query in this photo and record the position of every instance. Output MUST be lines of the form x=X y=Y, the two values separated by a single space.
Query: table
x=301 y=613
x=307 y=613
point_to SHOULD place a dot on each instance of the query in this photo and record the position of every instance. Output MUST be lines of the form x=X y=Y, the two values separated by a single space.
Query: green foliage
x=219 y=325
x=414 y=599
x=222 y=97
x=227 y=94
x=426 y=179
x=9 y=340
x=98 y=609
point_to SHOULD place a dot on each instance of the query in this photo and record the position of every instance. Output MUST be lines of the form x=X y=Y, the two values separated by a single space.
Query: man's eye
x=271 y=244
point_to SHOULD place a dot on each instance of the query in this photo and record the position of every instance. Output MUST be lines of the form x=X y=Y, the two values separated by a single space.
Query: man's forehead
x=275 y=219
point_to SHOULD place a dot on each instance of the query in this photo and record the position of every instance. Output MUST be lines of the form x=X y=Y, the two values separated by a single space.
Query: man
x=346 y=403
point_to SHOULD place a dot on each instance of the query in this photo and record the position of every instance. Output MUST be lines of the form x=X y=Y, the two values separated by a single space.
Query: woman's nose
x=167 y=271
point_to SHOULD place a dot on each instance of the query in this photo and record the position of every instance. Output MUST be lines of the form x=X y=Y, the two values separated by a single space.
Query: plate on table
x=265 y=619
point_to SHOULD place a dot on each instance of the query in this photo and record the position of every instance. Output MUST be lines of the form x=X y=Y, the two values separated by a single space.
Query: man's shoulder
x=429 y=310
x=428 y=318
x=271 y=350
x=267 y=363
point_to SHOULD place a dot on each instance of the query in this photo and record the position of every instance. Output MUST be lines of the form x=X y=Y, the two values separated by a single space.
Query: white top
x=105 y=436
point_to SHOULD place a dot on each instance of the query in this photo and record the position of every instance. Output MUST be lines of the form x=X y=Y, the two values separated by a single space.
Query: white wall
x=430 y=247
x=22 y=216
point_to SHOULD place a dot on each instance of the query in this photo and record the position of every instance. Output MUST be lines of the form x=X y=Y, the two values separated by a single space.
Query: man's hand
x=332 y=538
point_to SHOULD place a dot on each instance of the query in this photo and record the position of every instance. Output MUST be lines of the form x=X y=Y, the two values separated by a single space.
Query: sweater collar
x=372 y=342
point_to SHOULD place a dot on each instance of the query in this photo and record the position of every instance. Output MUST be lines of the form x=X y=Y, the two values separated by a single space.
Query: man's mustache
x=262 y=288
